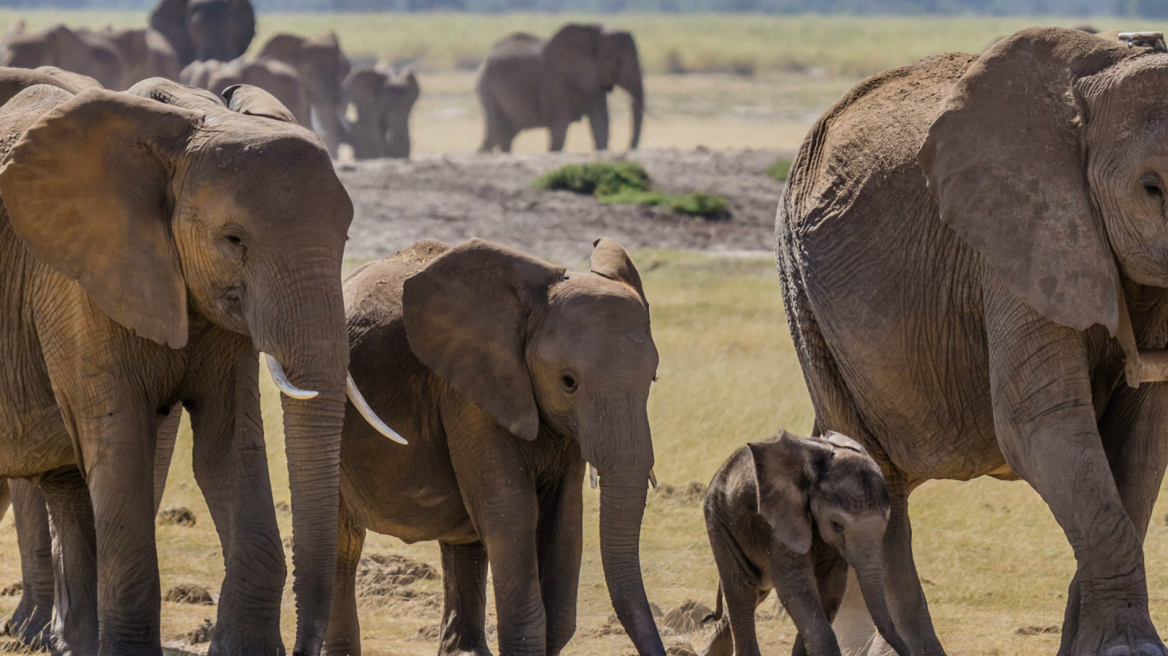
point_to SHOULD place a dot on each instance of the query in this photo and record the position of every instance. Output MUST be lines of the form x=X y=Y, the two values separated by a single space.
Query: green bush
x=780 y=169
x=626 y=183
x=599 y=178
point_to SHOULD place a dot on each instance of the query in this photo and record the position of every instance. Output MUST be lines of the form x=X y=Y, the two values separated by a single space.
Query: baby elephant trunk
x=870 y=574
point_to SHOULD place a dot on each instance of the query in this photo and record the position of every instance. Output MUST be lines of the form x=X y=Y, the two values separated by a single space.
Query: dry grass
x=992 y=557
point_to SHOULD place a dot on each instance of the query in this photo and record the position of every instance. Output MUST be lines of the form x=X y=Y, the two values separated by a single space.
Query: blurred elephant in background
x=161 y=290
x=527 y=82
x=974 y=264
x=270 y=75
x=81 y=51
x=383 y=101
x=323 y=67
x=145 y=54
x=507 y=375
x=205 y=29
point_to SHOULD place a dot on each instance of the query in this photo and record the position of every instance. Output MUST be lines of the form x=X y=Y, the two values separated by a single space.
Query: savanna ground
x=992 y=559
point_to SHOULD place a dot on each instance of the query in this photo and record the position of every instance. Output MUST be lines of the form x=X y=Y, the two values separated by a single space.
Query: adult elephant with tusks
x=157 y=243
x=974 y=258
x=507 y=374
x=527 y=82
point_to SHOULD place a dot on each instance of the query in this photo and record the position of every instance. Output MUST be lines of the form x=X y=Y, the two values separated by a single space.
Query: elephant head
x=78 y=51
x=591 y=58
x=323 y=67
x=205 y=29
x=383 y=102
x=560 y=351
x=145 y=53
x=1050 y=158
x=171 y=211
x=833 y=486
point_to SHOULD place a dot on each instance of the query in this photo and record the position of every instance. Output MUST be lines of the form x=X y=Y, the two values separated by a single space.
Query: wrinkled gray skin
x=30 y=622
x=323 y=67
x=791 y=514
x=505 y=374
x=163 y=309
x=80 y=51
x=527 y=82
x=199 y=30
x=382 y=101
x=272 y=76
x=959 y=241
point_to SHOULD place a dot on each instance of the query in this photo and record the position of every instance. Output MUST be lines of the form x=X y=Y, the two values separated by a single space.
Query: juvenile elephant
x=791 y=514
x=205 y=29
x=80 y=51
x=383 y=101
x=323 y=67
x=527 y=82
x=973 y=257
x=506 y=374
x=160 y=240
x=145 y=54
x=268 y=74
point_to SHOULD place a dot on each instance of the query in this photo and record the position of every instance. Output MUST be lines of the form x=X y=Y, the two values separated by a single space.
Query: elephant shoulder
x=375 y=289
x=519 y=44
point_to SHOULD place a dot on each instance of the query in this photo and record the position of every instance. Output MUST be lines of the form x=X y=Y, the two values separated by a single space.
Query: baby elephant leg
x=464 y=577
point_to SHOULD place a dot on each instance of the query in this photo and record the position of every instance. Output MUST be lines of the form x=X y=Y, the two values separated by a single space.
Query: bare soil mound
x=457 y=197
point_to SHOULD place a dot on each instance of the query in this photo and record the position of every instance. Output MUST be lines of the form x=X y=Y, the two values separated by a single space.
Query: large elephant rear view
x=199 y=30
x=974 y=255
x=527 y=82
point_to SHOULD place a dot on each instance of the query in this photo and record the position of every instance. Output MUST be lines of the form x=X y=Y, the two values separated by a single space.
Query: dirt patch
x=687 y=617
x=1037 y=630
x=691 y=493
x=13 y=590
x=612 y=625
x=189 y=593
x=383 y=574
x=200 y=635
x=176 y=516
x=456 y=197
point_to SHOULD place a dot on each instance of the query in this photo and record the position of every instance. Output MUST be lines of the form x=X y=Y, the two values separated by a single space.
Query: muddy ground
x=456 y=197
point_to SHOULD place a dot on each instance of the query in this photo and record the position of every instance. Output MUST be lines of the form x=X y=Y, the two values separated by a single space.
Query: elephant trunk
x=622 y=505
x=303 y=328
x=870 y=574
x=398 y=141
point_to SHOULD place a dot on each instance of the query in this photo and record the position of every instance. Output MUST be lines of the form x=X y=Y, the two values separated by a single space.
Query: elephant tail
x=717 y=614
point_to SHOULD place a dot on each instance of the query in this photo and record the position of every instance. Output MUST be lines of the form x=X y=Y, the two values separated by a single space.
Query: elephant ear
x=841 y=441
x=466 y=318
x=254 y=101
x=169 y=19
x=88 y=190
x=241 y=26
x=284 y=47
x=783 y=473
x=613 y=262
x=172 y=93
x=572 y=55
x=1004 y=161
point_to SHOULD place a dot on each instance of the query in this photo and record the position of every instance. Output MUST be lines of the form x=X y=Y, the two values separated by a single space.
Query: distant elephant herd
x=973 y=252
x=525 y=82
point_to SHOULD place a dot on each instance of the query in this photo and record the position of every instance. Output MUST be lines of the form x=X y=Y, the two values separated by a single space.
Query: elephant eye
x=235 y=240
x=837 y=527
x=1153 y=186
x=569 y=382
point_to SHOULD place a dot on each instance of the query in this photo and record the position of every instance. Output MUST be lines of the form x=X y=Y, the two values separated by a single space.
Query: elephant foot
x=1116 y=627
x=30 y=625
x=228 y=640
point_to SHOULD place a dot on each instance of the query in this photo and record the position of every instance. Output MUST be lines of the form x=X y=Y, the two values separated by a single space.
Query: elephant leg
x=344 y=629
x=831 y=579
x=231 y=468
x=496 y=126
x=5 y=497
x=558 y=134
x=1132 y=427
x=31 y=622
x=75 y=569
x=464 y=617
x=561 y=527
x=795 y=583
x=906 y=597
x=1047 y=429
x=598 y=122
x=853 y=625
x=164 y=450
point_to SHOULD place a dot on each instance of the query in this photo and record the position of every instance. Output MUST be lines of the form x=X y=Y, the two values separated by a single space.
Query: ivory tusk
x=593 y=476
x=283 y=383
x=367 y=412
x=652 y=479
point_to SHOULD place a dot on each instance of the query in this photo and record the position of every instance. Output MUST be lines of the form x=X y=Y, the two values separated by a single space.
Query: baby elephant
x=791 y=513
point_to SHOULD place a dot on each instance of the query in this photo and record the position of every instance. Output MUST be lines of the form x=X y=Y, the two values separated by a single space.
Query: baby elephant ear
x=613 y=262
x=781 y=479
x=841 y=441
x=254 y=101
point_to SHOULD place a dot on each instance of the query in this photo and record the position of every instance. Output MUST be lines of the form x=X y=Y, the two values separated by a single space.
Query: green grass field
x=992 y=558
